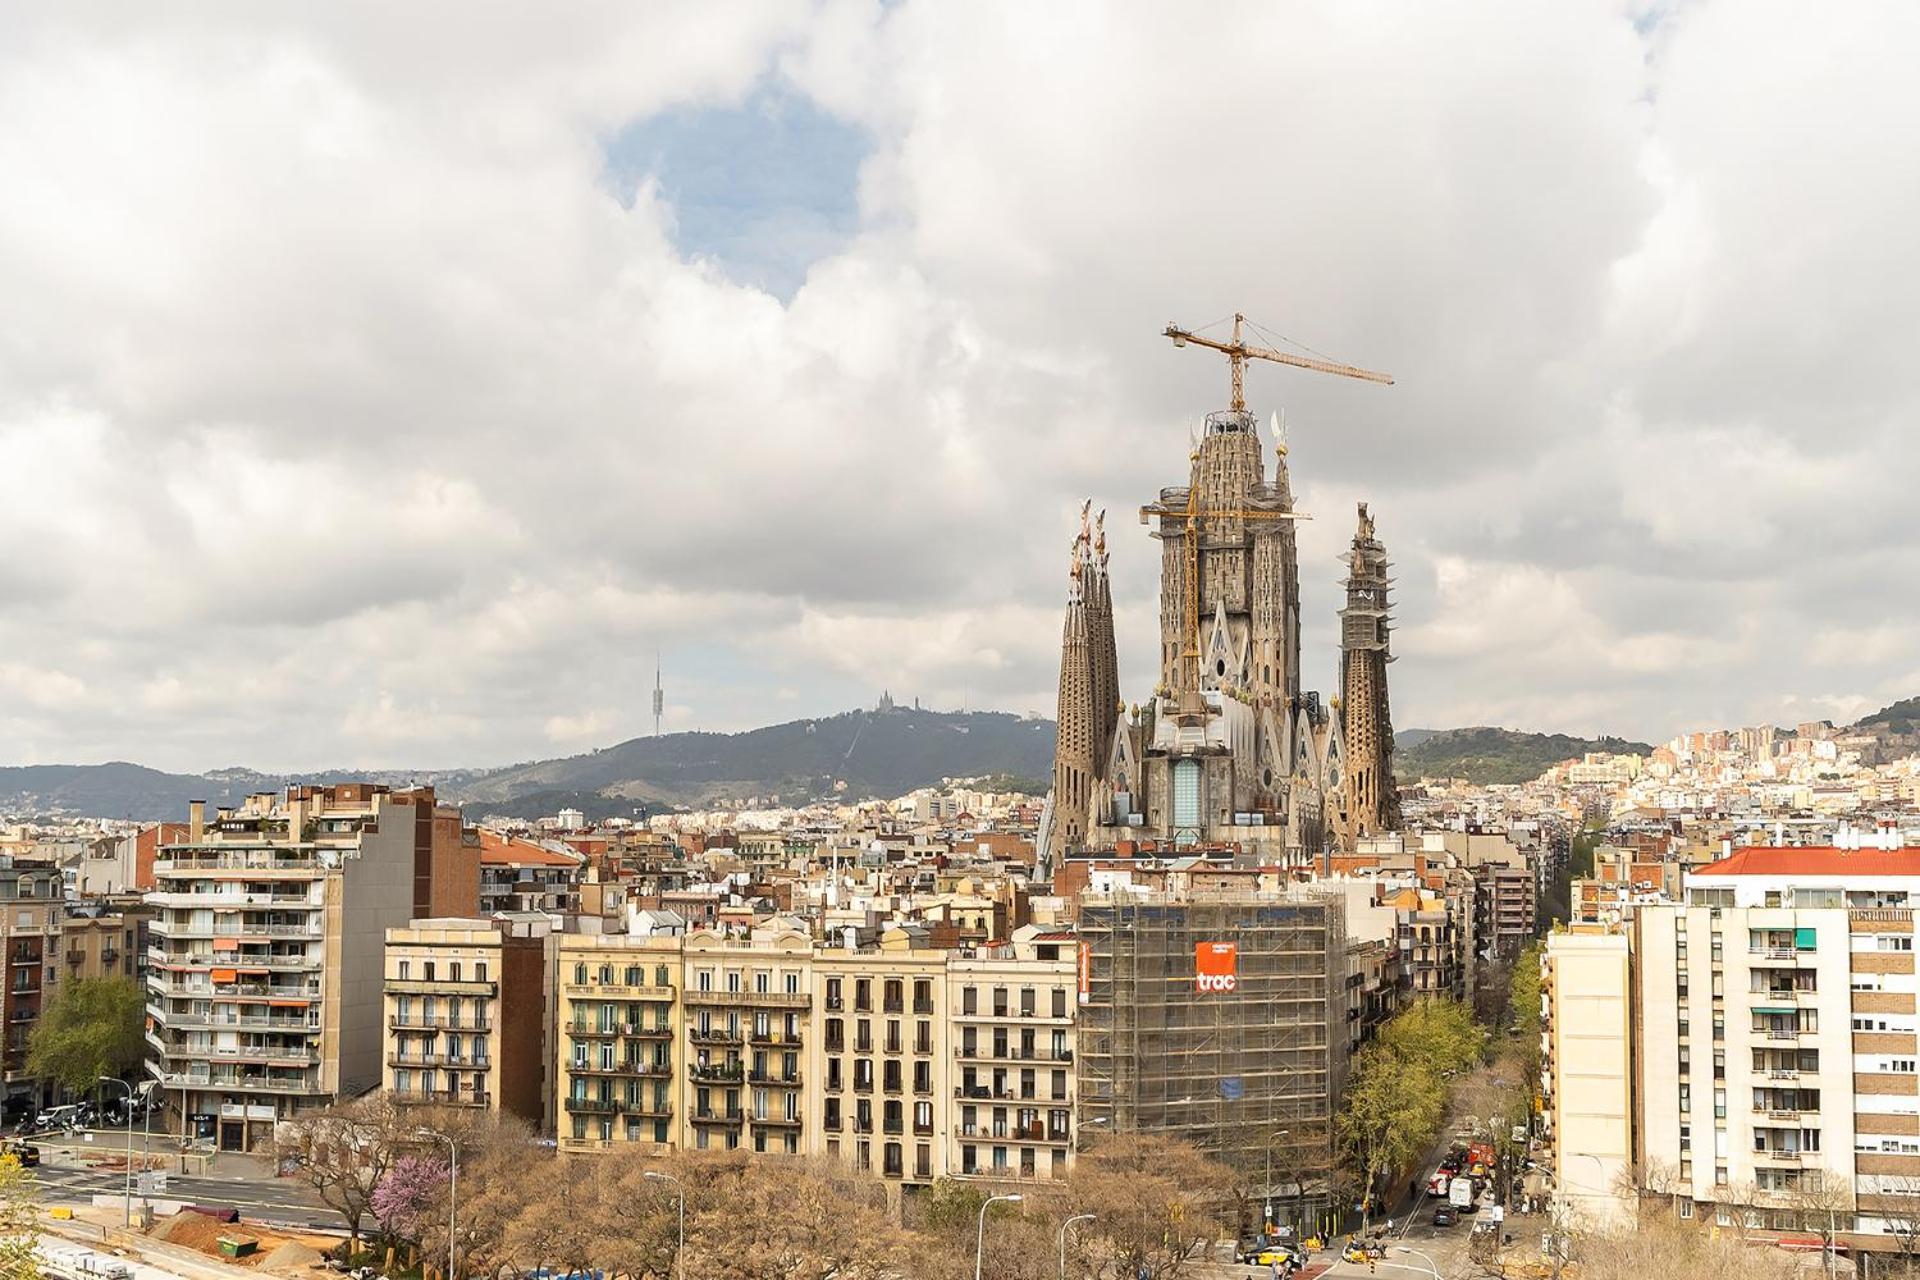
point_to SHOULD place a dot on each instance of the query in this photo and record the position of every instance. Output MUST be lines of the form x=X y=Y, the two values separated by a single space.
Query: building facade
x=903 y=1061
x=1586 y=1073
x=1220 y=1020
x=266 y=974
x=31 y=915
x=468 y=1007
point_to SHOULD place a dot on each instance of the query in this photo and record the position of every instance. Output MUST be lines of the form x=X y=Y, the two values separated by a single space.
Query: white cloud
x=350 y=417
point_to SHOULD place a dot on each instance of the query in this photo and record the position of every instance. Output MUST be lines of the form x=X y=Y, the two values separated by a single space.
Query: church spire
x=1074 y=752
x=1371 y=802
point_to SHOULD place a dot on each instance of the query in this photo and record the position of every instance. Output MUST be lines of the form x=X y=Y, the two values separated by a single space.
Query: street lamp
x=1078 y=1217
x=453 y=1186
x=980 y=1232
x=680 y=1195
x=129 y=1088
x=1273 y=1138
x=1431 y=1269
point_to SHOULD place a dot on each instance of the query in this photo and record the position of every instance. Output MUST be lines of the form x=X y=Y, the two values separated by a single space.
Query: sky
x=386 y=386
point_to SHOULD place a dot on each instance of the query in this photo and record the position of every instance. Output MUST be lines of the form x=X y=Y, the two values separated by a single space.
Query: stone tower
x=1370 y=801
x=1100 y=644
x=1247 y=603
x=1074 y=750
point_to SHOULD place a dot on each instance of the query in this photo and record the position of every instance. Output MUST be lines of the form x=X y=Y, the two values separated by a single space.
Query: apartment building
x=1013 y=1057
x=527 y=875
x=265 y=976
x=883 y=1058
x=468 y=1007
x=1586 y=1072
x=31 y=914
x=906 y=1061
x=99 y=942
x=1504 y=908
x=1776 y=1040
x=621 y=1044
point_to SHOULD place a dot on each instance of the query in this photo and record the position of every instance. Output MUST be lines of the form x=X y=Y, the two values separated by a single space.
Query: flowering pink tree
x=407 y=1199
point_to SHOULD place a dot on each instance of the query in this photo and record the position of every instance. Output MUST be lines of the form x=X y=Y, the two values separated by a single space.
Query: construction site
x=1220 y=1021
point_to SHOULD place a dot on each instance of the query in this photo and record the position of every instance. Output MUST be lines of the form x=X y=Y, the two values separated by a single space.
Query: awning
x=288 y=1004
x=1787 y=1012
x=226 y=944
x=226 y=975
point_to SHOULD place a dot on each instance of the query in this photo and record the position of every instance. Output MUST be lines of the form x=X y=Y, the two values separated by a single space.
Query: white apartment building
x=1775 y=1032
x=1586 y=1072
x=264 y=976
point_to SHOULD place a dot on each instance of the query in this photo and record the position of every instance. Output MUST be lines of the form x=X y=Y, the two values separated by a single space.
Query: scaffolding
x=1250 y=1076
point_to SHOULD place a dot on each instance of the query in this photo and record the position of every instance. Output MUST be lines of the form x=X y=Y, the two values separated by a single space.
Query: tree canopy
x=1396 y=1097
x=92 y=1028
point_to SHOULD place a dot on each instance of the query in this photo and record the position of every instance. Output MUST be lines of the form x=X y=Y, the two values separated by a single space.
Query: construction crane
x=1237 y=353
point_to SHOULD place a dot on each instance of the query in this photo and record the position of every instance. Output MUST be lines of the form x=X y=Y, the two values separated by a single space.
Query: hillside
x=1903 y=717
x=873 y=753
x=1484 y=755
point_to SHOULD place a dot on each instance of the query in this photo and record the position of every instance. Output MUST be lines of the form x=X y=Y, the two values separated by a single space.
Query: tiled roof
x=499 y=850
x=1815 y=860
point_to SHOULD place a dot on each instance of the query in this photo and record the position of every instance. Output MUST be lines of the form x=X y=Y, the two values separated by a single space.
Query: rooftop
x=1815 y=860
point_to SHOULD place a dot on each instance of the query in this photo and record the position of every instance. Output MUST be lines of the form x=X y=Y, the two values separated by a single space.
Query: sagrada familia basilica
x=1229 y=748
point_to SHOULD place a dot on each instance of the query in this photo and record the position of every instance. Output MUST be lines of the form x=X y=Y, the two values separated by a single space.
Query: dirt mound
x=291 y=1256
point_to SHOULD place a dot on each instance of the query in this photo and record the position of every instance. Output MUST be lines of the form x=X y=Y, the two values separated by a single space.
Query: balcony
x=191 y=961
x=165 y=928
x=233 y=901
x=250 y=1053
x=253 y=862
x=215 y=1022
x=647 y=1070
x=443 y=1097
x=651 y=1110
x=777 y=1122
x=751 y=999
x=777 y=1082
x=239 y=1084
x=718 y=1073
x=713 y=1035
x=593 y=1106
x=1015 y=1053
x=615 y=991
x=1779 y=1155
x=774 y=1039
x=718 y=1117
x=443 y=986
x=420 y=1022
x=923 y=1006
x=405 y=1060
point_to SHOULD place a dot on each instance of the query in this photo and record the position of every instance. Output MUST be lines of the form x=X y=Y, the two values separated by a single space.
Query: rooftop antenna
x=658 y=701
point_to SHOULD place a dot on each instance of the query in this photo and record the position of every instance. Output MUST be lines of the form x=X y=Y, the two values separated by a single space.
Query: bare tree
x=343 y=1152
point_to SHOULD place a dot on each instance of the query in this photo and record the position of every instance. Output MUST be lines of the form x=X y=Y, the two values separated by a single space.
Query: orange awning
x=226 y=975
x=226 y=944
x=288 y=1004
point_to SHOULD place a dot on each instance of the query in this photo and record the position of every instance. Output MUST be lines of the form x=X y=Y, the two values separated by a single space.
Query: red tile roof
x=498 y=850
x=1815 y=860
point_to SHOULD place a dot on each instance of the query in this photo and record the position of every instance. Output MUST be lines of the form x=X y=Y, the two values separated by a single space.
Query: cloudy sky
x=385 y=386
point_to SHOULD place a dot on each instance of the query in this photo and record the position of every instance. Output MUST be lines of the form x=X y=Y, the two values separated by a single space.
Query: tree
x=345 y=1152
x=19 y=1221
x=1396 y=1096
x=93 y=1028
x=1667 y=1247
x=1157 y=1200
x=410 y=1196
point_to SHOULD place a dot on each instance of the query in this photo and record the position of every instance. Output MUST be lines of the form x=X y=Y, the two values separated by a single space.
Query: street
x=280 y=1201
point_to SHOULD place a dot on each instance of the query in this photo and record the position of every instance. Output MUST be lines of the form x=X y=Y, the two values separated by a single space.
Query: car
x=1279 y=1251
x=1445 y=1216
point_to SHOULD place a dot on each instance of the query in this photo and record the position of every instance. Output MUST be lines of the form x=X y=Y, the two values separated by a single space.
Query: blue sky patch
x=766 y=188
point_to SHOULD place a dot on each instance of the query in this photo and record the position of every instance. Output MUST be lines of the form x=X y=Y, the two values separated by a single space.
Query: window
x=480 y=971
x=1686 y=1098
x=580 y=975
x=1719 y=1104
x=453 y=971
x=1896 y=942
x=406 y=969
x=428 y=967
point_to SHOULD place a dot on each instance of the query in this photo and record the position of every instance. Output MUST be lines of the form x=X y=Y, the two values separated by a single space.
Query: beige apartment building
x=1586 y=1072
x=32 y=909
x=265 y=974
x=906 y=1062
x=468 y=1004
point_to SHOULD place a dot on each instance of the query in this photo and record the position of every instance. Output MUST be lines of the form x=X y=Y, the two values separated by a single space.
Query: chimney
x=196 y=821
